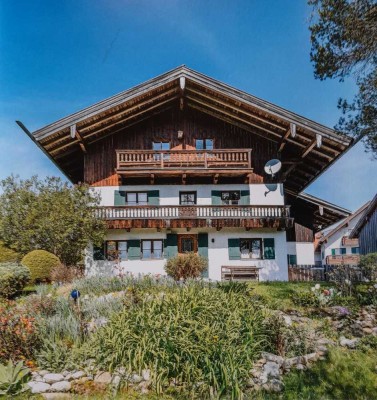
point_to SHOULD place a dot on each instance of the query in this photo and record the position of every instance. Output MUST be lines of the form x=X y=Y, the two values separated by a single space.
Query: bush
x=7 y=254
x=40 y=263
x=185 y=266
x=18 y=335
x=189 y=335
x=367 y=293
x=13 y=278
x=305 y=299
x=368 y=265
x=65 y=274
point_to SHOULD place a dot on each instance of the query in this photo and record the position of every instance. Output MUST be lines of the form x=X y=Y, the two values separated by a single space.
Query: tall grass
x=194 y=334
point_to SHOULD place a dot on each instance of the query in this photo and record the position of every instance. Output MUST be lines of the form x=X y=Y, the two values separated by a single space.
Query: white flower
x=347 y=282
x=317 y=286
x=313 y=289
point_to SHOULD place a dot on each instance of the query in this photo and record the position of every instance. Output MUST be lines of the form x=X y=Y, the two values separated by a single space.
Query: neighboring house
x=366 y=229
x=179 y=163
x=335 y=246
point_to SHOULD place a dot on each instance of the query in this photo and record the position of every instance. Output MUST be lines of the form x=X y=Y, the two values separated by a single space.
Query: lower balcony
x=127 y=217
x=344 y=259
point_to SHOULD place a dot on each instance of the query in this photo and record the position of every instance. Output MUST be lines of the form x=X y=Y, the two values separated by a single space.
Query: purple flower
x=342 y=311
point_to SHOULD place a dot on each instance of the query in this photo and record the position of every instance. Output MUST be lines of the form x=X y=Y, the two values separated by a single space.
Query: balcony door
x=187 y=243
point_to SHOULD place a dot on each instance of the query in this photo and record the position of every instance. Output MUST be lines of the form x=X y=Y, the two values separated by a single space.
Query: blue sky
x=60 y=56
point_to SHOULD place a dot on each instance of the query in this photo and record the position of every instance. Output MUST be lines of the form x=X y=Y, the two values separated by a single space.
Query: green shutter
x=203 y=249
x=171 y=245
x=245 y=197
x=234 y=249
x=119 y=198
x=99 y=252
x=269 y=249
x=216 y=197
x=153 y=197
x=134 y=252
x=333 y=252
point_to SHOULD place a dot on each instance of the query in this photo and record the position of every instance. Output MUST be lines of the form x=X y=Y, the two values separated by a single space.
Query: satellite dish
x=272 y=167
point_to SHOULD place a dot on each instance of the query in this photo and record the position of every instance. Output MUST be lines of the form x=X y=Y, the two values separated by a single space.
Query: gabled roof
x=364 y=218
x=345 y=223
x=308 y=147
x=323 y=212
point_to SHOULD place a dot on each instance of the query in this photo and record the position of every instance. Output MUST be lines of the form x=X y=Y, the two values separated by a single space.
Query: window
x=232 y=197
x=187 y=243
x=187 y=198
x=355 y=250
x=133 y=198
x=204 y=144
x=161 y=145
x=116 y=249
x=251 y=248
x=338 y=252
x=292 y=259
x=151 y=249
x=343 y=250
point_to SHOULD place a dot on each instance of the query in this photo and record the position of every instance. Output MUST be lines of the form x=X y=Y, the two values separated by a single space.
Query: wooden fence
x=324 y=273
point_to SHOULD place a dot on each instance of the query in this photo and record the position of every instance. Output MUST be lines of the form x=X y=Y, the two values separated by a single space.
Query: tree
x=49 y=215
x=344 y=43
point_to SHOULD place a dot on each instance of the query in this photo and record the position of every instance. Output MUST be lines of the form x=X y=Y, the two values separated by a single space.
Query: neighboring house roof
x=345 y=223
x=364 y=218
x=305 y=147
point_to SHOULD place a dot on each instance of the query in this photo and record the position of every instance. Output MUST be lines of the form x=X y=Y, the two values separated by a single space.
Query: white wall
x=217 y=254
x=260 y=194
x=304 y=252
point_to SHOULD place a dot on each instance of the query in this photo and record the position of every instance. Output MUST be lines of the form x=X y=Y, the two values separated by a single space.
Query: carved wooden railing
x=193 y=212
x=173 y=159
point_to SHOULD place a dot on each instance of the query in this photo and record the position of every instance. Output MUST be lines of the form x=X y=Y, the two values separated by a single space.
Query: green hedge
x=7 y=254
x=40 y=263
x=13 y=278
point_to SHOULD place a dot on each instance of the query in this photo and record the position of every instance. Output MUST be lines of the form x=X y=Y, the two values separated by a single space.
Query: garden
x=132 y=337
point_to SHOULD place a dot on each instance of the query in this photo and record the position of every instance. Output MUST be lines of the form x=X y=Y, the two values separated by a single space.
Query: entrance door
x=187 y=243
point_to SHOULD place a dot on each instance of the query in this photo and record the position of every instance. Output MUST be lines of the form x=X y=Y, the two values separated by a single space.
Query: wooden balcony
x=345 y=259
x=346 y=241
x=125 y=217
x=232 y=162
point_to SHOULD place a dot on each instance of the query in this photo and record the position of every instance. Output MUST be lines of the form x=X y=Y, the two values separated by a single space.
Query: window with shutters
x=355 y=250
x=136 y=198
x=338 y=252
x=116 y=250
x=151 y=249
x=231 y=197
x=251 y=248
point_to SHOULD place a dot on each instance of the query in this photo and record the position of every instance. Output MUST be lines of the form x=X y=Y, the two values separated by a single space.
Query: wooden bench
x=239 y=273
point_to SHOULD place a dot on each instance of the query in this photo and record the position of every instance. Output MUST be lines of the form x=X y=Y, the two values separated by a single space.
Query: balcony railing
x=176 y=159
x=351 y=259
x=193 y=212
x=346 y=241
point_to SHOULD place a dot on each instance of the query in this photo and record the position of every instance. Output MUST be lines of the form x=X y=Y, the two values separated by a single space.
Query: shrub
x=13 y=278
x=367 y=293
x=185 y=266
x=189 y=335
x=65 y=274
x=305 y=299
x=13 y=378
x=7 y=254
x=18 y=335
x=40 y=263
x=368 y=265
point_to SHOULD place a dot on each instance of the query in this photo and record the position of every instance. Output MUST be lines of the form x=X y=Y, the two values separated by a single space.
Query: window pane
x=147 y=245
x=199 y=144
x=235 y=195
x=142 y=198
x=187 y=245
x=157 y=248
x=122 y=246
x=255 y=248
x=209 y=144
x=343 y=250
x=156 y=145
x=244 y=247
x=131 y=198
x=165 y=146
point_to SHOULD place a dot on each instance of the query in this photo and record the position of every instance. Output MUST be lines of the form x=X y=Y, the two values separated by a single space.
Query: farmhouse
x=180 y=163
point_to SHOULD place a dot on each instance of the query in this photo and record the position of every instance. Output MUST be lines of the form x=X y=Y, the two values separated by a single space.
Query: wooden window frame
x=188 y=192
x=152 y=249
x=137 y=196
x=116 y=249
x=250 y=252
x=186 y=236
x=230 y=191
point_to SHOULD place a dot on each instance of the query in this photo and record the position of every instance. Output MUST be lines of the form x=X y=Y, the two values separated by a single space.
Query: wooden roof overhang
x=321 y=212
x=305 y=147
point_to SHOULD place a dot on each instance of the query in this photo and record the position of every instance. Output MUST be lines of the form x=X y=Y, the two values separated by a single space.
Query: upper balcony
x=344 y=259
x=228 y=162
